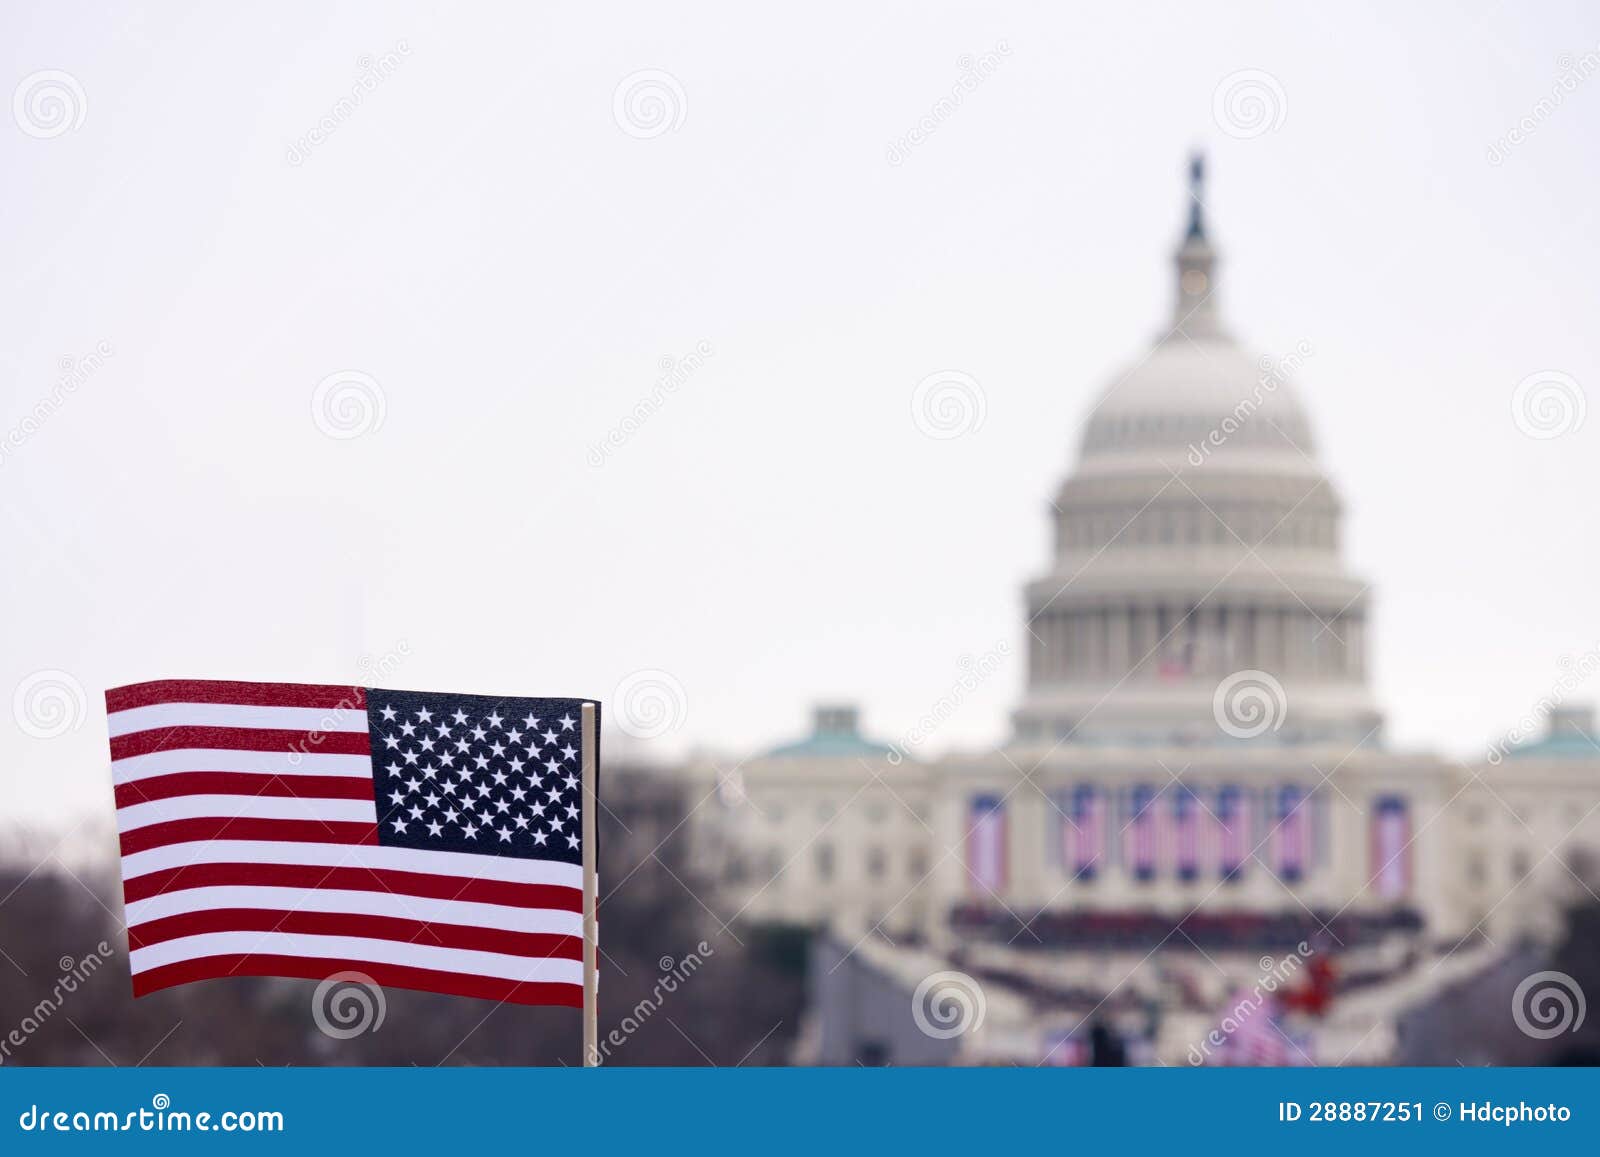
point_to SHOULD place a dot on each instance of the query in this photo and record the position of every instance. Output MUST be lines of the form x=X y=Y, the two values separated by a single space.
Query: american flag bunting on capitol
x=1233 y=819
x=1391 y=848
x=1293 y=832
x=1089 y=820
x=1186 y=819
x=986 y=845
x=439 y=842
x=1141 y=830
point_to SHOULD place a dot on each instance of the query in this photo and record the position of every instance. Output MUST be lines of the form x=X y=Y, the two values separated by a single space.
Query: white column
x=1040 y=628
x=1117 y=642
x=1267 y=646
x=1145 y=639
x=1025 y=831
x=1300 y=629
x=1095 y=641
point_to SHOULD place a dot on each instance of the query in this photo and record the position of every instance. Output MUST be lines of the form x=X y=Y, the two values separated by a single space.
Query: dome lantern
x=1195 y=311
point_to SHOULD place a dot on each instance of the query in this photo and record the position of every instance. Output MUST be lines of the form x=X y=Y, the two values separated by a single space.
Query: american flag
x=986 y=845
x=1293 y=832
x=1089 y=814
x=1254 y=1033
x=430 y=841
x=1391 y=848
x=1143 y=831
x=1233 y=819
x=1065 y=1049
x=1186 y=819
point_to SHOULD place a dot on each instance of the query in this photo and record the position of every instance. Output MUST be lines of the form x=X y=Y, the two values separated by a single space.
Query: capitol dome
x=1197 y=552
x=1182 y=392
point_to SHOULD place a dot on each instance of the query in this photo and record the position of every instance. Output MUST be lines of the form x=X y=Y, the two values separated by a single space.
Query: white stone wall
x=855 y=844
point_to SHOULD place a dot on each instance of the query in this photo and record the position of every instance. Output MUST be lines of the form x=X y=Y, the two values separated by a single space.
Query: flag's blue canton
x=473 y=773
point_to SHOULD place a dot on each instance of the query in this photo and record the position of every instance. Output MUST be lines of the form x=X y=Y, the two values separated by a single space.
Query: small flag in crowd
x=1256 y=1035
x=440 y=842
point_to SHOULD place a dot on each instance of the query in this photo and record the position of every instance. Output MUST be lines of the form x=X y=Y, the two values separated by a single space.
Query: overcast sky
x=491 y=254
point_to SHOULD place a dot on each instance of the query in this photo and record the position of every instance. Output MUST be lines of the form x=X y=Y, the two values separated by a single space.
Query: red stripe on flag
x=242 y=783
x=244 y=694
x=240 y=739
x=387 y=975
x=554 y=896
x=539 y=945
x=207 y=828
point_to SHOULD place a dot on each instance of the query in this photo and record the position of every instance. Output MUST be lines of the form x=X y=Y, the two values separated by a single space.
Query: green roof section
x=1569 y=735
x=835 y=731
x=1554 y=748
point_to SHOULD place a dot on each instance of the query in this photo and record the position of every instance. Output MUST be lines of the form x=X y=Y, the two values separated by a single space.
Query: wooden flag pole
x=591 y=892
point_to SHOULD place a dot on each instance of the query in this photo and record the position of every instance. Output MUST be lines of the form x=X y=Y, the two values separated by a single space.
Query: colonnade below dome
x=1176 y=525
x=1145 y=640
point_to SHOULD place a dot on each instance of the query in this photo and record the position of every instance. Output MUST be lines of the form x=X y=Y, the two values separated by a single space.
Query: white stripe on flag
x=136 y=767
x=159 y=716
x=458 y=960
x=461 y=865
x=231 y=807
x=362 y=903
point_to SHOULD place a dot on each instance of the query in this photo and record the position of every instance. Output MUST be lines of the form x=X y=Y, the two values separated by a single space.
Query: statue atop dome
x=1197 y=181
x=1195 y=312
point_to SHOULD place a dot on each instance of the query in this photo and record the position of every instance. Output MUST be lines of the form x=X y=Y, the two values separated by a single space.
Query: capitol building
x=1194 y=842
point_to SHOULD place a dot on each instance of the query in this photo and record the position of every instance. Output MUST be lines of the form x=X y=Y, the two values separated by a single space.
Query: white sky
x=484 y=240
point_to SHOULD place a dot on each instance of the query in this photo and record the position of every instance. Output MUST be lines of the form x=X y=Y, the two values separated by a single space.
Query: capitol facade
x=1195 y=822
